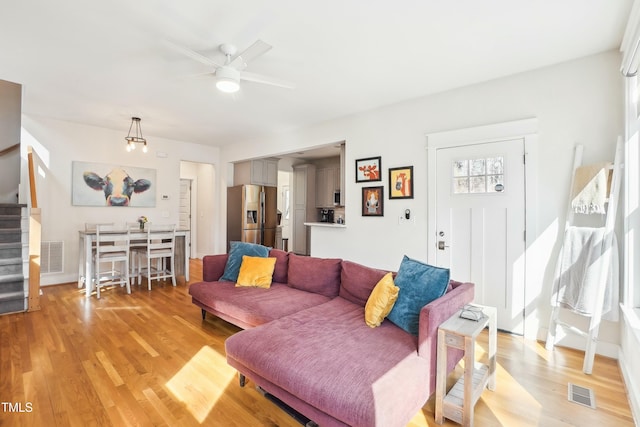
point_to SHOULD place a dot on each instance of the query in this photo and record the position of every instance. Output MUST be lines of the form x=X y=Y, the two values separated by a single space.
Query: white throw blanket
x=578 y=272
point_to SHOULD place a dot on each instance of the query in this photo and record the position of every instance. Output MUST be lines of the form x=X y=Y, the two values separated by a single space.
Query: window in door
x=478 y=175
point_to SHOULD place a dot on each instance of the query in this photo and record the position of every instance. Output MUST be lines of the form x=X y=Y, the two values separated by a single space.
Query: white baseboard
x=633 y=388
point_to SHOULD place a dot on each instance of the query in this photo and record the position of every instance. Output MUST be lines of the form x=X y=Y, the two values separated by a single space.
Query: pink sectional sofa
x=305 y=340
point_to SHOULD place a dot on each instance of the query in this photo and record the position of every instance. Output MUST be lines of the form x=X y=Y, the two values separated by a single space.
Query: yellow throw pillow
x=381 y=301
x=256 y=271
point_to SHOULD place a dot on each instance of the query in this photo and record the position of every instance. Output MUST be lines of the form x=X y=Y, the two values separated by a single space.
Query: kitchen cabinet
x=303 y=202
x=327 y=183
x=258 y=172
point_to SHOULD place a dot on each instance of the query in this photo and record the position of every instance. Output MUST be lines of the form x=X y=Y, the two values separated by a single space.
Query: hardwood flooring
x=148 y=359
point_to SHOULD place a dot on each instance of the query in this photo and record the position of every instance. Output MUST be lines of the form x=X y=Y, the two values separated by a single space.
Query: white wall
x=575 y=102
x=59 y=143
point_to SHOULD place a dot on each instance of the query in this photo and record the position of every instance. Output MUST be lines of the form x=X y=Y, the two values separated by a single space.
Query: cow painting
x=368 y=169
x=117 y=185
x=370 y=172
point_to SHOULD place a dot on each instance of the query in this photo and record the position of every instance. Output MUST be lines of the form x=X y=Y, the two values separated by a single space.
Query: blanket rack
x=591 y=334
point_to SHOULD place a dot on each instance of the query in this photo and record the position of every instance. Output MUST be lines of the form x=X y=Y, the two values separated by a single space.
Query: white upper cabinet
x=259 y=172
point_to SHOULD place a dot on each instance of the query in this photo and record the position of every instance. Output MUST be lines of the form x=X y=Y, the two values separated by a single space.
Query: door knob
x=441 y=245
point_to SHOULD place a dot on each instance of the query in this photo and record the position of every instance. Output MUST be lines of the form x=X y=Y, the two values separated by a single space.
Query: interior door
x=185 y=204
x=480 y=223
x=184 y=222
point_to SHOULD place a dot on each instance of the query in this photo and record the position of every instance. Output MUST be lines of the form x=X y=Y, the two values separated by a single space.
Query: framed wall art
x=369 y=169
x=401 y=183
x=373 y=201
x=97 y=184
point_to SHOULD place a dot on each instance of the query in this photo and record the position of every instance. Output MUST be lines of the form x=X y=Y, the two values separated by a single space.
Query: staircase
x=14 y=258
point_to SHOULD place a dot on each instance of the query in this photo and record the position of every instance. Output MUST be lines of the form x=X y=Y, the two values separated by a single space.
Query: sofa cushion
x=369 y=377
x=252 y=306
x=357 y=281
x=419 y=284
x=256 y=271
x=317 y=275
x=381 y=301
x=234 y=261
x=282 y=265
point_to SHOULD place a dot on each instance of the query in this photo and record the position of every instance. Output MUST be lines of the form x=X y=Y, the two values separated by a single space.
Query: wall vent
x=51 y=257
x=582 y=396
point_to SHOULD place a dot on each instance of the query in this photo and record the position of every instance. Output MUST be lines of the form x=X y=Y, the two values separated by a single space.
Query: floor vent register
x=582 y=396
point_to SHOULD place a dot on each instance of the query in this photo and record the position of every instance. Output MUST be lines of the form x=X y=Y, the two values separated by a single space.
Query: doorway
x=480 y=223
x=197 y=201
x=477 y=216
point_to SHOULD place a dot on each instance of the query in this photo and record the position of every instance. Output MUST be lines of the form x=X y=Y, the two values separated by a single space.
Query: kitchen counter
x=325 y=224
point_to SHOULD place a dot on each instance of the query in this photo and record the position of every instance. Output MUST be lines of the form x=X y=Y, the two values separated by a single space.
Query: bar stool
x=160 y=247
x=112 y=246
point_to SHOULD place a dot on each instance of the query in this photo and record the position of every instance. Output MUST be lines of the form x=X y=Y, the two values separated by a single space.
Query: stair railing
x=35 y=238
x=9 y=149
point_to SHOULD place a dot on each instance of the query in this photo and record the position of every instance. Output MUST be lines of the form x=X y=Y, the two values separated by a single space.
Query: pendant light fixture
x=137 y=137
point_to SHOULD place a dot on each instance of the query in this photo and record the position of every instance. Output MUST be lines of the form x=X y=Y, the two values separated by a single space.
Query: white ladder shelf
x=610 y=217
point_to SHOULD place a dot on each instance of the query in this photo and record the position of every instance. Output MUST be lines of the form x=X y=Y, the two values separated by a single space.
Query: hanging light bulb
x=137 y=137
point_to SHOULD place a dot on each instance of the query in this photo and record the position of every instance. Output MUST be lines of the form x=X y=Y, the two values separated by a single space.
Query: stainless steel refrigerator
x=252 y=214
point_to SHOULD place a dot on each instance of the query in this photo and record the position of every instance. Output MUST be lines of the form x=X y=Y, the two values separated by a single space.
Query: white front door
x=480 y=223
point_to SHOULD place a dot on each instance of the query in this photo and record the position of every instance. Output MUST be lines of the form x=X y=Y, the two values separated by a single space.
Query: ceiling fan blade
x=258 y=78
x=250 y=53
x=192 y=54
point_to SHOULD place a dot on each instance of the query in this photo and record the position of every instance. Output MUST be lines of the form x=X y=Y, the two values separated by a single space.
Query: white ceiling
x=101 y=62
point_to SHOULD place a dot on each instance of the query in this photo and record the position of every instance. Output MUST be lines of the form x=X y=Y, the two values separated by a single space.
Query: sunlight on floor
x=509 y=386
x=539 y=348
x=201 y=382
x=420 y=419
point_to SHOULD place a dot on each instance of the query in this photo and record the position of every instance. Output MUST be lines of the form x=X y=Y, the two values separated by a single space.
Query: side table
x=456 y=332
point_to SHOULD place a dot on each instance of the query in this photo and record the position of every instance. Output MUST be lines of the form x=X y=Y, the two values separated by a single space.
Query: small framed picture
x=401 y=183
x=373 y=201
x=369 y=169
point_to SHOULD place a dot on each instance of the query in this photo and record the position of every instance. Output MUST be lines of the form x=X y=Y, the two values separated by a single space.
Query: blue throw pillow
x=234 y=261
x=419 y=284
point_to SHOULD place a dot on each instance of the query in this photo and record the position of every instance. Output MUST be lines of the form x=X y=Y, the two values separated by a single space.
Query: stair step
x=9 y=235
x=10 y=245
x=7 y=278
x=4 y=210
x=11 y=266
x=16 y=304
x=11 y=250
x=10 y=221
x=7 y=296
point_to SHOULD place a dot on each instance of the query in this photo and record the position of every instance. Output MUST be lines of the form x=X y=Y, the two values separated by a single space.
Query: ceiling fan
x=229 y=74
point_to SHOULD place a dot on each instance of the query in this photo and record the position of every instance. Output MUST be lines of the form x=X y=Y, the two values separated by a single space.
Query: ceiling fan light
x=227 y=85
x=228 y=79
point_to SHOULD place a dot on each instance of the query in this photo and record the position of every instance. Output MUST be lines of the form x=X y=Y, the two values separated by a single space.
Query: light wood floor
x=147 y=359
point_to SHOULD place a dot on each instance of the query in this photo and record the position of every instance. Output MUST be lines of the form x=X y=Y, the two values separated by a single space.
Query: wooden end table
x=456 y=332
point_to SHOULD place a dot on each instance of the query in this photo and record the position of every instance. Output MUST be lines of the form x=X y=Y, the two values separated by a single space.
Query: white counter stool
x=161 y=248
x=112 y=246
x=134 y=244
x=90 y=227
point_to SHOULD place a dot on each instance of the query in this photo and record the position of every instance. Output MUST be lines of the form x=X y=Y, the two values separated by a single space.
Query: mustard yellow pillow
x=381 y=301
x=256 y=271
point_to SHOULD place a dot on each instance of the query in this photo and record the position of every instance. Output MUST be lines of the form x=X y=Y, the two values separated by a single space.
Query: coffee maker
x=327 y=215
